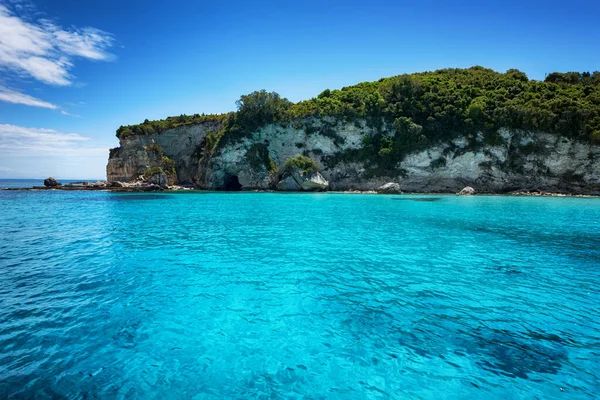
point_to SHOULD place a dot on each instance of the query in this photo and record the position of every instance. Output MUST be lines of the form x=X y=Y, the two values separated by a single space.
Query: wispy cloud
x=38 y=153
x=20 y=141
x=45 y=51
x=63 y=112
x=16 y=97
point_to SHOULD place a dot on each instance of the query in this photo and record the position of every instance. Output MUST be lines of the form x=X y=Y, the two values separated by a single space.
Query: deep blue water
x=216 y=295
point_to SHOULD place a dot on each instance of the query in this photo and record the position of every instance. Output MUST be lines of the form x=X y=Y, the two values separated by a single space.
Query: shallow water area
x=266 y=295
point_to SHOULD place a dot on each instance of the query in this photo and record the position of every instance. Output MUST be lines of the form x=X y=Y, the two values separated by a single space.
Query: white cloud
x=15 y=97
x=45 y=51
x=38 y=153
x=19 y=141
x=63 y=112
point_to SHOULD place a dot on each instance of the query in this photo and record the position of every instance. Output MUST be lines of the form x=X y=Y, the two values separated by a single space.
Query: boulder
x=51 y=182
x=288 y=185
x=467 y=191
x=315 y=181
x=159 y=179
x=99 y=184
x=299 y=181
x=117 y=184
x=390 y=188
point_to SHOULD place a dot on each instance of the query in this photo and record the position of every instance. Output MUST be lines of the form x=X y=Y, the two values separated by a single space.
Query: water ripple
x=298 y=296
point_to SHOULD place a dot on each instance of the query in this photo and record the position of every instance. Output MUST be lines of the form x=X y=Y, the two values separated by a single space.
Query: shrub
x=302 y=163
x=258 y=157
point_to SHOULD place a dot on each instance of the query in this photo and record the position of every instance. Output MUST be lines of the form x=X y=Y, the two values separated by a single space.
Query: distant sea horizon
x=25 y=183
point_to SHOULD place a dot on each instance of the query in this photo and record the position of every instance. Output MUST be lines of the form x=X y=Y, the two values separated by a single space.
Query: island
x=464 y=131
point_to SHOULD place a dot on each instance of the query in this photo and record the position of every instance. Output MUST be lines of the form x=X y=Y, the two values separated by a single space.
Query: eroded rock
x=389 y=188
x=299 y=181
x=467 y=191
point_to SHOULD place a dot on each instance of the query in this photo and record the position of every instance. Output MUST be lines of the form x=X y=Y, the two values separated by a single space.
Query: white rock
x=390 y=187
x=467 y=191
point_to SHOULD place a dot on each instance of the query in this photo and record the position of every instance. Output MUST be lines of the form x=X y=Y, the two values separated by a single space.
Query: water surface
x=222 y=295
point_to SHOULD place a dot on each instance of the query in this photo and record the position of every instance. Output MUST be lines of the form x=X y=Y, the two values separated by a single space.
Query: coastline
x=175 y=189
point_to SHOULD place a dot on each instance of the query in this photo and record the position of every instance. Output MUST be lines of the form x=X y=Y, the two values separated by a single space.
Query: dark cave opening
x=232 y=183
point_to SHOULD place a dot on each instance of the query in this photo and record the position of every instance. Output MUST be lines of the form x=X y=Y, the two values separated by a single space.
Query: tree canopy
x=426 y=106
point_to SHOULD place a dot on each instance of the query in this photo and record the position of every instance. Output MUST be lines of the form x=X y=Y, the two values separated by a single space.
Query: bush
x=302 y=163
x=258 y=157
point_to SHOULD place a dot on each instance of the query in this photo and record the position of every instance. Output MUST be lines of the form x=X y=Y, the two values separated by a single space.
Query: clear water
x=215 y=295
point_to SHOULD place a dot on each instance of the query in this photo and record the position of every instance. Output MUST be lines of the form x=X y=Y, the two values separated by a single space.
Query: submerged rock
x=467 y=191
x=51 y=182
x=390 y=188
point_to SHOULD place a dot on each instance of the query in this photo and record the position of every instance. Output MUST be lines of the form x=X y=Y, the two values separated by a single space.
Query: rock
x=467 y=191
x=51 y=182
x=159 y=179
x=118 y=184
x=288 y=185
x=552 y=169
x=99 y=184
x=298 y=181
x=315 y=181
x=390 y=188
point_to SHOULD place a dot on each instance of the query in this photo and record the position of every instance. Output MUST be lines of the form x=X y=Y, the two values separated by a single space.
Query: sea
x=206 y=295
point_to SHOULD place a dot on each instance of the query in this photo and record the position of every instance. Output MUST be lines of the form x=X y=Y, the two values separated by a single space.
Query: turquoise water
x=216 y=295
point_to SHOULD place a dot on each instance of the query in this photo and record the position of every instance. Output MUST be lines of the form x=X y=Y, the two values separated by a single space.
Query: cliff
x=365 y=136
x=519 y=161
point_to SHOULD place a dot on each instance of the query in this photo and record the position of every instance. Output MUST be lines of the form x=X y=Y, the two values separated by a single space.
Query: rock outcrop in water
x=467 y=191
x=432 y=132
x=51 y=182
x=390 y=188
x=299 y=181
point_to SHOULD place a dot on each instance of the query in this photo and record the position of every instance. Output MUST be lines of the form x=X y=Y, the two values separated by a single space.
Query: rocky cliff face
x=518 y=160
x=135 y=156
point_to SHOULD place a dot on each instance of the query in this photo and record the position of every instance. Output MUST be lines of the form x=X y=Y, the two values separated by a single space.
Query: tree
x=260 y=108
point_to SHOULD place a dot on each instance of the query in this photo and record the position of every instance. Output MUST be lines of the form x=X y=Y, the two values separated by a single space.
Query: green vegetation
x=158 y=126
x=258 y=109
x=167 y=165
x=411 y=112
x=302 y=163
x=444 y=101
x=258 y=157
x=153 y=171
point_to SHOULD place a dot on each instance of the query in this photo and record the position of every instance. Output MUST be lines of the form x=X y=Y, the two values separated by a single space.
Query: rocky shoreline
x=148 y=185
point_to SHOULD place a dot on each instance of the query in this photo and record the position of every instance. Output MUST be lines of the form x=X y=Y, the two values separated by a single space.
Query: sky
x=72 y=71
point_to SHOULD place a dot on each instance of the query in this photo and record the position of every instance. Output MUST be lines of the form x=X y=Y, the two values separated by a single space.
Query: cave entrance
x=232 y=183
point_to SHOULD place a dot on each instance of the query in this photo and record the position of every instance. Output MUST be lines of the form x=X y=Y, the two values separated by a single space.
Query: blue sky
x=72 y=72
